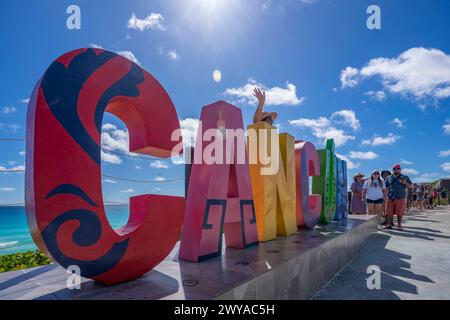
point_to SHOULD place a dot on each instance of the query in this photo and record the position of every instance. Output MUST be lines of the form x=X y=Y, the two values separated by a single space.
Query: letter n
x=274 y=193
x=219 y=194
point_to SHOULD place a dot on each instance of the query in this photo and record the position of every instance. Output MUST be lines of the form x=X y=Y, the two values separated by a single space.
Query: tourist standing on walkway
x=384 y=175
x=374 y=190
x=420 y=197
x=435 y=198
x=444 y=197
x=414 y=196
x=430 y=199
x=426 y=201
x=358 y=206
x=409 y=198
x=396 y=204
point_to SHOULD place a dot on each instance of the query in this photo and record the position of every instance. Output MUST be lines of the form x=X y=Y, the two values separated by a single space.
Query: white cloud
x=444 y=153
x=426 y=177
x=445 y=166
x=158 y=164
x=178 y=160
x=324 y=128
x=275 y=96
x=349 y=119
x=129 y=55
x=109 y=181
x=22 y=153
x=8 y=110
x=311 y=123
x=189 y=128
x=138 y=167
x=380 y=141
x=114 y=139
x=410 y=171
x=398 y=123
x=446 y=128
x=172 y=54
x=349 y=77
x=95 y=46
x=376 y=95
x=160 y=179
x=406 y=162
x=108 y=126
x=7 y=189
x=11 y=127
x=25 y=100
x=272 y=8
x=339 y=136
x=127 y=191
x=110 y=158
x=154 y=21
x=369 y=155
x=350 y=163
x=417 y=72
x=124 y=53
x=12 y=169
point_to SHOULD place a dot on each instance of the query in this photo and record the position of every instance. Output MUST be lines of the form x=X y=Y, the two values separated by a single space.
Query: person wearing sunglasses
x=397 y=185
x=374 y=190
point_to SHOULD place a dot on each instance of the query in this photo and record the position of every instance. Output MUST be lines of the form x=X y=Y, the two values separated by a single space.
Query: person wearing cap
x=357 y=205
x=261 y=115
x=396 y=185
x=374 y=190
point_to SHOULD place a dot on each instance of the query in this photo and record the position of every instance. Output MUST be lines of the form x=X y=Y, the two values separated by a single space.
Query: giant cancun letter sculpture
x=219 y=194
x=341 y=190
x=274 y=192
x=308 y=207
x=320 y=184
x=332 y=179
x=64 y=200
x=325 y=184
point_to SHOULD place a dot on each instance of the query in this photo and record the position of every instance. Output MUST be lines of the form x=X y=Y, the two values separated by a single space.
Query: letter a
x=374 y=20
x=74 y=20
x=219 y=195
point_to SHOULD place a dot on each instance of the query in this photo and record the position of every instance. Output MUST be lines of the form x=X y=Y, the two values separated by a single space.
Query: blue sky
x=383 y=94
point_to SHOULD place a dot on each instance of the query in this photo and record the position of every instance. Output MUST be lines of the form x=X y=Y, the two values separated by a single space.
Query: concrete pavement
x=414 y=263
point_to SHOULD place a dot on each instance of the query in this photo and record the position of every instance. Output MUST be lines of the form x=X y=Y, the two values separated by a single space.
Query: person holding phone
x=396 y=185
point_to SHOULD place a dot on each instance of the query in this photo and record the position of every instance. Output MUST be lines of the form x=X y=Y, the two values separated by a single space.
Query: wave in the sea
x=8 y=244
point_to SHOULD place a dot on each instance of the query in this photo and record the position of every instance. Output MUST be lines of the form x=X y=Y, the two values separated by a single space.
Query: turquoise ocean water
x=15 y=236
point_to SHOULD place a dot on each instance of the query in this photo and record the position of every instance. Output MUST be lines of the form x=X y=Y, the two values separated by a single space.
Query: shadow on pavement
x=26 y=276
x=351 y=283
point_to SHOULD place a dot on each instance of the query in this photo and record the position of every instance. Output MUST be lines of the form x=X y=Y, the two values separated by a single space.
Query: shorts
x=378 y=201
x=396 y=206
x=414 y=197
